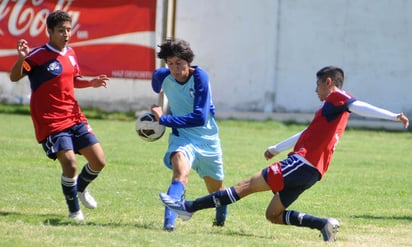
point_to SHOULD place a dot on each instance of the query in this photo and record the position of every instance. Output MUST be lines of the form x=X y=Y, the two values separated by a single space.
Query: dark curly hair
x=173 y=47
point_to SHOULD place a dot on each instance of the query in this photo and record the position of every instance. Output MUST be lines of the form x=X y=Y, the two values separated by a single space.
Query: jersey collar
x=57 y=51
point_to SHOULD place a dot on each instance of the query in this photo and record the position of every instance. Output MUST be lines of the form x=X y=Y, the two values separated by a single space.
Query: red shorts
x=274 y=177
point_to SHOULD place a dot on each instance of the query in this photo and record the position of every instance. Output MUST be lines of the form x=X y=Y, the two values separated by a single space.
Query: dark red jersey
x=53 y=106
x=317 y=143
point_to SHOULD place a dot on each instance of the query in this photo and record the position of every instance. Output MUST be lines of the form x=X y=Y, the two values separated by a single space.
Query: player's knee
x=274 y=218
x=98 y=164
x=101 y=164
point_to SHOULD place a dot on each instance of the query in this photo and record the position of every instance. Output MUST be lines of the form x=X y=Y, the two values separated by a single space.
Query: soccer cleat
x=169 y=228
x=330 y=229
x=78 y=216
x=218 y=223
x=175 y=205
x=87 y=199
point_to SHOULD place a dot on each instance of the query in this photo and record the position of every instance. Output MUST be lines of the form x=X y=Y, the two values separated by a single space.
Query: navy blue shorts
x=74 y=138
x=295 y=177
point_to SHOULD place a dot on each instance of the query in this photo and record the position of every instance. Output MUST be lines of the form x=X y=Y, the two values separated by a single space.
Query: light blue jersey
x=194 y=129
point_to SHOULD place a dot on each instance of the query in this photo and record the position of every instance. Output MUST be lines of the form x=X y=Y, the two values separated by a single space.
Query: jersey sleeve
x=28 y=63
x=157 y=79
x=27 y=66
x=285 y=144
x=367 y=110
x=201 y=105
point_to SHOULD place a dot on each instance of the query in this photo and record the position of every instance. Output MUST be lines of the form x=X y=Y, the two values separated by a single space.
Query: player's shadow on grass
x=30 y=218
x=61 y=220
x=379 y=217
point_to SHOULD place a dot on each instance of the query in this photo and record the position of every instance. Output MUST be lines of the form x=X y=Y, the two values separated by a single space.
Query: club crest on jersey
x=54 y=68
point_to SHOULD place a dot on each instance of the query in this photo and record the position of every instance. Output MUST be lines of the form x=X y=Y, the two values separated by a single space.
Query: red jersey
x=53 y=106
x=317 y=143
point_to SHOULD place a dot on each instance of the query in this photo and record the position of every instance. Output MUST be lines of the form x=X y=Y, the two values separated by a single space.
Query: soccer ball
x=148 y=128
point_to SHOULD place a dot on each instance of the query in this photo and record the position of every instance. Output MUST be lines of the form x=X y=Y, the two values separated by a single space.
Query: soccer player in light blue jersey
x=194 y=142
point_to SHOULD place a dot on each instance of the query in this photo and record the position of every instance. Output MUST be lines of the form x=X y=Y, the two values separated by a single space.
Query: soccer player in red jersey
x=306 y=163
x=59 y=124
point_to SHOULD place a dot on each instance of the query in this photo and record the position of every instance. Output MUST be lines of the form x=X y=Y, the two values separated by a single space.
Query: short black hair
x=174 y=47
x=335 y=73
x=57 y=17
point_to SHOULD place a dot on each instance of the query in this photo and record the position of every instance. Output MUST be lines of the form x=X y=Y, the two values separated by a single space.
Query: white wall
x=263 y=55
x=254 y=50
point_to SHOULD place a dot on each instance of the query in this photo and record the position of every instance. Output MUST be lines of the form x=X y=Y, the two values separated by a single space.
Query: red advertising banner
x=112 y=37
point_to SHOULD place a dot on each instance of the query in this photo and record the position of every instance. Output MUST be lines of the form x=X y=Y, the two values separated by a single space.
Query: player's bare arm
x=98 y=81
x=17 y=70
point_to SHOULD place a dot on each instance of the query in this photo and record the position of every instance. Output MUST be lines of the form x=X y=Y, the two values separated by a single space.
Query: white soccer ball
x=148 y=128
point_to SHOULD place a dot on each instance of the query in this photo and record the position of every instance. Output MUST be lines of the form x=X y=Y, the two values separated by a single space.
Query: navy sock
x=176 y=190
x=216 y=199
x=70 y=193
x=291 y=217
x=221 y=213
x=85 y=177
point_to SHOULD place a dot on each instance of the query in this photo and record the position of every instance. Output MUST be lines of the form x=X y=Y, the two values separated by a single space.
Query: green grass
x=368 y=188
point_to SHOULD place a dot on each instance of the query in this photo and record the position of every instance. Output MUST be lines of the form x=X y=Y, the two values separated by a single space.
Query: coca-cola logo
x=30 y=16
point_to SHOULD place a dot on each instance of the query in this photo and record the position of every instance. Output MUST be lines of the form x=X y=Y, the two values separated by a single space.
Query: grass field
x=368 y=188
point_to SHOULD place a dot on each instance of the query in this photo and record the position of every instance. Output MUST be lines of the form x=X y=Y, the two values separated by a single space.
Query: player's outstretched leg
x=185 y=209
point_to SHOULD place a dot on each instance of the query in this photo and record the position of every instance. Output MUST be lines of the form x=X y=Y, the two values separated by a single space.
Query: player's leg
x=96 y=162
x=214 y=185
x=181 y=170
x=68 y=163
x=296 y=178
x=209 y=166
x=254 y=184
x=86 y=143
x=60 y=146
x=91 y=170
x=276 y=213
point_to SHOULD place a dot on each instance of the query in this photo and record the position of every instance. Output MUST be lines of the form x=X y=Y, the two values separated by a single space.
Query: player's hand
x=157 y=111
x=404 y=120
x=268 y=155
x=23 y=48
x=99 y=81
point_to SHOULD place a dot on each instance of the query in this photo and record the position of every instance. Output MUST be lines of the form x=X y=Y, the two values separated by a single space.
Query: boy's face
x=60 y=34
x=324 y=88
x=179 y=68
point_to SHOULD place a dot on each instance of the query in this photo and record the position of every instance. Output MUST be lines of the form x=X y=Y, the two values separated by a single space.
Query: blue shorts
x=74 y=138
x=295 y=177
x=205 y=159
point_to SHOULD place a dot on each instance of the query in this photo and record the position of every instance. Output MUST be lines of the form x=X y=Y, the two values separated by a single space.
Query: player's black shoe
x=218 y=223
